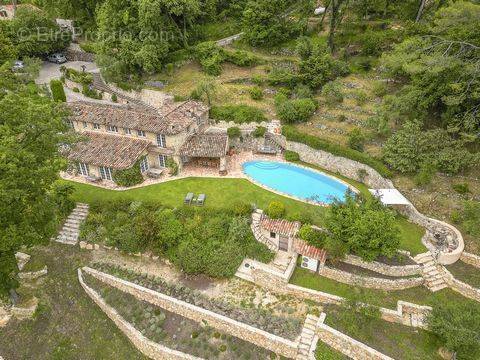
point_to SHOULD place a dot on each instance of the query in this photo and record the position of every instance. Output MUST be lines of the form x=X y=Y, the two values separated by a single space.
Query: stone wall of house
x=222 y=323
x=147 y=347
x=347 y=345
x=341 y=165
x=470 y=259
x=461 y=287
x=369 y=282
x=405 y=270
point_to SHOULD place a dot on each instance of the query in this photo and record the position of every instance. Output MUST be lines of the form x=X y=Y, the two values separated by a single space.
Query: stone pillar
x=223 y=165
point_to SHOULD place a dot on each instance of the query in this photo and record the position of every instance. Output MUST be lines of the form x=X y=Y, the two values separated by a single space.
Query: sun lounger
x=201 y=199
x=188 y=198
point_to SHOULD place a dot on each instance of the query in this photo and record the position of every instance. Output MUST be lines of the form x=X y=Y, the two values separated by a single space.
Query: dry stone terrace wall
x=347 y=345
x=240 y=330
x=389 y=270
x=341 y=165
x=471 y=259
x=461 y=287
x=370 y=282
x=147 y=347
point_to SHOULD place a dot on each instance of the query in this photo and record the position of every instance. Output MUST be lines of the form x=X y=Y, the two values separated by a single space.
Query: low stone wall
x=403 y=270
x=369 y=282
x=347 y=345
x=33 y=274
x=470 y=259
x=235 y=328
x=147 y=347
x=341 y=165
x=244 y=126
x=461 y=287
x=228 y=40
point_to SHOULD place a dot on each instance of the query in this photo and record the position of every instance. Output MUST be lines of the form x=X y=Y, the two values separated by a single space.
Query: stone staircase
x=282 y=260
x=71 y=227
x=306 y=337
x=431 y=272
x=256 y=219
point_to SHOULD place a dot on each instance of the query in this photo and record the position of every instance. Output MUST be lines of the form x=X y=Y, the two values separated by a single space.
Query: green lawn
x=465 y=272
x=418 y=295
x=221 y=194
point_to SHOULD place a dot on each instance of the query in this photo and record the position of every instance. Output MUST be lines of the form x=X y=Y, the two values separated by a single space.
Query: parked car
x=18 y=65
x=57 y=58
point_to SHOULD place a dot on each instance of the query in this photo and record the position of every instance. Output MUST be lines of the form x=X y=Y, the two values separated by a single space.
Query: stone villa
x=122 y=136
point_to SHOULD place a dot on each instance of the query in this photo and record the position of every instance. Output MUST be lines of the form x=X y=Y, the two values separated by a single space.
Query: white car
x=57 y=58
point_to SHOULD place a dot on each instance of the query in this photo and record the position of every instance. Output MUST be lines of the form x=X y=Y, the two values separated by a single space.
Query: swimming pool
x=296 y=181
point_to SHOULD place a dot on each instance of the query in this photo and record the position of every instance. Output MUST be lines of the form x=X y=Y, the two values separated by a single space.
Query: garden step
x=422 y=258
x=436 y=282
x=429 y=268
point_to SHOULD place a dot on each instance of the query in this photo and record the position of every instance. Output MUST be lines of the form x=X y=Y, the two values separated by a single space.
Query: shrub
x=332 y=91
x=128 y=177
x=302 y=91
x=275 y=210
x=312 y=236
x=259 y=131
x=470 y=217
x=237 y=113
x=425 y=174
x=241 y=208
x=356 y=139
x=76 y=90
x=295 y=111
x=292 y=134
x=361 y=97
x=169 y=68
x=291 y=156
x=241 y=58
x=58 y=93
x=256 y=93
x=461 y=188
x=379 y=88
x=114 y=97
x=172 y=166
x=79 y=77
x=91 y=93
x=233 y=132
x=210 y=56
x=282 y=77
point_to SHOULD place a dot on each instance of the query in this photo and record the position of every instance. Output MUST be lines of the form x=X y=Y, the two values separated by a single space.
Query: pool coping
x=316 y=203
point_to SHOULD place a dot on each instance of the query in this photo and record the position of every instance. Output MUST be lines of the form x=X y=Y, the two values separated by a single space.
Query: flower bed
x=288 y=328
x=174 y=331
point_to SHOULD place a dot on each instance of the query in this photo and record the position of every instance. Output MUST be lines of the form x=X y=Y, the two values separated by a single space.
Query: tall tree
x=31 y=131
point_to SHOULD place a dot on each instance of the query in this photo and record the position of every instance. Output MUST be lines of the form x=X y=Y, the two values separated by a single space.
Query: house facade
x=122 y=136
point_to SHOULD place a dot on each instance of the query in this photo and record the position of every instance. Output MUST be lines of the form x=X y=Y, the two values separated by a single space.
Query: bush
x=210 y=56
x=128 y=177
x=58 y=93
x=259 y=131
x=275 y=210
x=233 y=132
x=291 y=156
x=91 y=93
x=172 y=166
x=256 y=93
x=461 y=188
x=237 y=113
x=361 y=97
x=240 y=58
x=292 y=134
x=79 y=77
x=425 y=174
x=76 y=90
x=295 y=111
x=356 y=139
x=379 y=88
x=114 y=97
x=332 y=91
x=241 y=208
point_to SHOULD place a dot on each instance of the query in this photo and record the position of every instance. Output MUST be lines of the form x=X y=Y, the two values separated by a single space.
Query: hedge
x=58 y=93
x=293 y=134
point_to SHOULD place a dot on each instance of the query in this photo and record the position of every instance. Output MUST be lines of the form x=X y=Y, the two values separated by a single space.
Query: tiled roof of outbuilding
x=171 y=119
x=100 y=149
x=205 y=145
x=280 y=226
x=303 y=248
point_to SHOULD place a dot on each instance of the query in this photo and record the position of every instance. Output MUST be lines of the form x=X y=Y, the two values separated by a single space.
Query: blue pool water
x=295 y=181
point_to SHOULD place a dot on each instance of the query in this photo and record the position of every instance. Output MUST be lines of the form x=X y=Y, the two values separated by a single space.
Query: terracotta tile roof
x=100 y=149
x=171 y=119
x=303 y=248
x=205 y=145
x=280 y=226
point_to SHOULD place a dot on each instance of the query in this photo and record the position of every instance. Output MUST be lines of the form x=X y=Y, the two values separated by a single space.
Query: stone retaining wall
x=369 y=282
x=347 y=345
x=33 y=274
x=235 y=328
x=147 y=347
x=461 y=287
x=154 y=98
x=403 y=270
x=347 y=167
x=470 y=259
